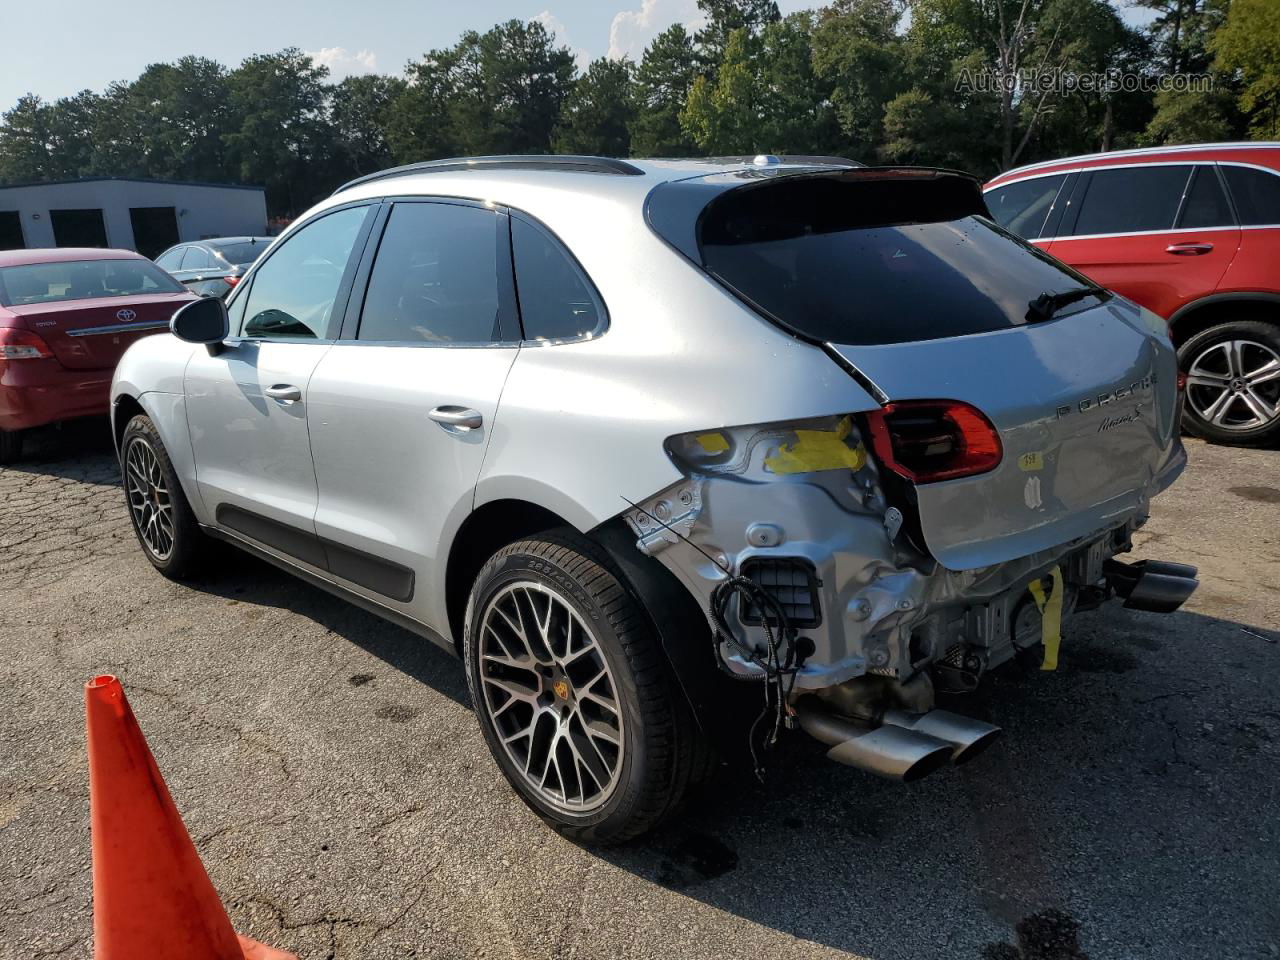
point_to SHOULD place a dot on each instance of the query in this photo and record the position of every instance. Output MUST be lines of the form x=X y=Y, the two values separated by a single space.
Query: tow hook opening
x=1158 y=586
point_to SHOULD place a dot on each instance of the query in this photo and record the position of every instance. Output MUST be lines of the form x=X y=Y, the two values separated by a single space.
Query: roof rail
x=789 y=158
x=563 y=162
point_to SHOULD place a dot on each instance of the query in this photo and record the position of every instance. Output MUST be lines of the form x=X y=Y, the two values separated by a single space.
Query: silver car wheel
x=550 y=697
x=1235 y=385
x=149 y=499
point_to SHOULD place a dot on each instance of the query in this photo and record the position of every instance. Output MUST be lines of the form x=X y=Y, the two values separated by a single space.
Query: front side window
x=1023 y=207
x=1131 y=200
x=294 y=291
x=82 y=280
x=1256 y=193
x=435 y=279
x=556 y=300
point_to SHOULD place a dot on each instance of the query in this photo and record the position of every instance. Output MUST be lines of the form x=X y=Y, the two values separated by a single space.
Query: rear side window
x=197 y=258
x=435 y=279
x=293 y=292
x=556 y=300
x=1131 y=200
x=879 y=261
x=1256 y=193
x=1023 y=207
x=82 y=280
x=1205 y=204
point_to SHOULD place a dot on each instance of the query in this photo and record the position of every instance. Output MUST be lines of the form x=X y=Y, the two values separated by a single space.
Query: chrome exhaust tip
x=1154 y=585
x=889 y=751
x=964 y=736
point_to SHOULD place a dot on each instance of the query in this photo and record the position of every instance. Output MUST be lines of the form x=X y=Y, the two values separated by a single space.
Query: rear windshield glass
x=877 y=261
x=81 y=280
x=241 y=253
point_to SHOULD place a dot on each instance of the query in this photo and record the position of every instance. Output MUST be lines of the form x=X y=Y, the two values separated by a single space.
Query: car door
x=402 y=406
x=247 y=405
x=1160 y=234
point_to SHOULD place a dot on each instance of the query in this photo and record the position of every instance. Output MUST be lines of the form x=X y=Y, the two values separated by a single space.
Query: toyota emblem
x=126 y=315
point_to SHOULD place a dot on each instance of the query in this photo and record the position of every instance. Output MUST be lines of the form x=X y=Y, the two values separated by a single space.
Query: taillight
x=930 y=440
x=231 y=281
x=22 y=345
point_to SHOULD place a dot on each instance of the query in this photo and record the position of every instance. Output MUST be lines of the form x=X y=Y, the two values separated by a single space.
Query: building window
x=11 y=230
x=78 y=228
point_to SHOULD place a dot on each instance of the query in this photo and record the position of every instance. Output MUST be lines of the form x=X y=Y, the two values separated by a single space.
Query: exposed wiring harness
x=780 y=660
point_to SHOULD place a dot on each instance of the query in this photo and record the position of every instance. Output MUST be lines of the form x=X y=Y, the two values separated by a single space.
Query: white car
x=646 y=441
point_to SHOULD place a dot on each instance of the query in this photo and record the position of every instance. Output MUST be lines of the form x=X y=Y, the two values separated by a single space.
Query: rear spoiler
x=678 y=210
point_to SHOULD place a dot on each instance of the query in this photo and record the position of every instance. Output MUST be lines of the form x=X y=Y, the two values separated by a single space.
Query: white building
x=124 y=213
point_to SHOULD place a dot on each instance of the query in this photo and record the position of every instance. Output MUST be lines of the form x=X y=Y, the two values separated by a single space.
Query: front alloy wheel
x=1233 y=383
x=149 y=501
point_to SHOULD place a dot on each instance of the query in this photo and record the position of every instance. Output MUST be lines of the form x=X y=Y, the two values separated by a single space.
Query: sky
x=78 y=44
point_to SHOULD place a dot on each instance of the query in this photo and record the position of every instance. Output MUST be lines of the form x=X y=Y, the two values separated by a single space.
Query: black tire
x=10 y=445
x=662 y=749
x=187 y=547
x=1207 y=351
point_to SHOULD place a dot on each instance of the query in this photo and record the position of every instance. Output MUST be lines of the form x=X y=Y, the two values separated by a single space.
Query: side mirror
x=202 y=321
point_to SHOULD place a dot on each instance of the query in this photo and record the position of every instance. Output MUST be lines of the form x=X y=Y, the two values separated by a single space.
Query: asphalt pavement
x=338 y=789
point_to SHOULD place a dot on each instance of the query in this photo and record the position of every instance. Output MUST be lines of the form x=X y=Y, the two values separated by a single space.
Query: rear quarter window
x=1256 y=194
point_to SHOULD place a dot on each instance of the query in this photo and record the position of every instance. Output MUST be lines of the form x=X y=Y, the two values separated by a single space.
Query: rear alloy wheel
x=166 y=529
x=574 y=697
x=10 y=445
x=1233 y=383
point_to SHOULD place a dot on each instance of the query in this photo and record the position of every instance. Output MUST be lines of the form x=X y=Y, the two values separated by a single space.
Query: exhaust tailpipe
x=1155 y=585
x=890 y=751
x=965 y=736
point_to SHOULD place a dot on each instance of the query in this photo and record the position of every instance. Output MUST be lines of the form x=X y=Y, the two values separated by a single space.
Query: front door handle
x=460 y=418
x=1188 y=249
x=284 y=392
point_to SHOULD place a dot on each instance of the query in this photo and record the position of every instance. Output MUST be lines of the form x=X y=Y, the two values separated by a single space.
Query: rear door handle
x=284 y=392
x=461 y=418
x=1188 y=249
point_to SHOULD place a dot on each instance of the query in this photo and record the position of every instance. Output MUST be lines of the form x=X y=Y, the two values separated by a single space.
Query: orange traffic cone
x=151 y=895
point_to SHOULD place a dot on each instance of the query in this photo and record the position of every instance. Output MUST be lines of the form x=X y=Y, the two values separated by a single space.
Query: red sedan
x=66 y=316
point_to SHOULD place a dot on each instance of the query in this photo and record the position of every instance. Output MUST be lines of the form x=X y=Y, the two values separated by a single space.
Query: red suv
x=66 y=316
x=1192 y=233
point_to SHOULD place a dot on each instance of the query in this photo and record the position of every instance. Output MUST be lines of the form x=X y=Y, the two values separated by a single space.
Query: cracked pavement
x=339 y=791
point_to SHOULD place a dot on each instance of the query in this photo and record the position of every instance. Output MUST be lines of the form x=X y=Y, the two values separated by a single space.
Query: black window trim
x=348 y=333
x=341 y=299
x=1186 y=194
x=602 y=323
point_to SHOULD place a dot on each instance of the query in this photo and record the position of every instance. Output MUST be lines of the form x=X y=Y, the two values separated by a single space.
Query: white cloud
x=343 y=63
x=632 y=30
x=555 y=26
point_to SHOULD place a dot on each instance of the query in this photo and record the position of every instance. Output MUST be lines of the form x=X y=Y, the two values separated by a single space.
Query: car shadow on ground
x=1103 y=797
x=77 y=450
x=258 y=582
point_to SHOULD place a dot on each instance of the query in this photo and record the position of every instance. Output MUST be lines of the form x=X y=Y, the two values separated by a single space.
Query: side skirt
x=364 y=603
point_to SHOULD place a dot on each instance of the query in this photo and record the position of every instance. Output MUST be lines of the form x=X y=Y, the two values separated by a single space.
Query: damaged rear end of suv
x=862 y=562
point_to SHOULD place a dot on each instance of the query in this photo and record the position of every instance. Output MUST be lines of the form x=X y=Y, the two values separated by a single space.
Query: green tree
x=359 y=111
x=765 y=96
x=420 y=122
x=597 y=112
x=857 y=50
x=1180 y=32
x=1248 y=47
x=280 y=138
x=661 y=89
x=25 y=141
x=723 y=18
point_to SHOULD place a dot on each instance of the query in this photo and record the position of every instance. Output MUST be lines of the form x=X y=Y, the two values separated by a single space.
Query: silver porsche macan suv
x=677 y=455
